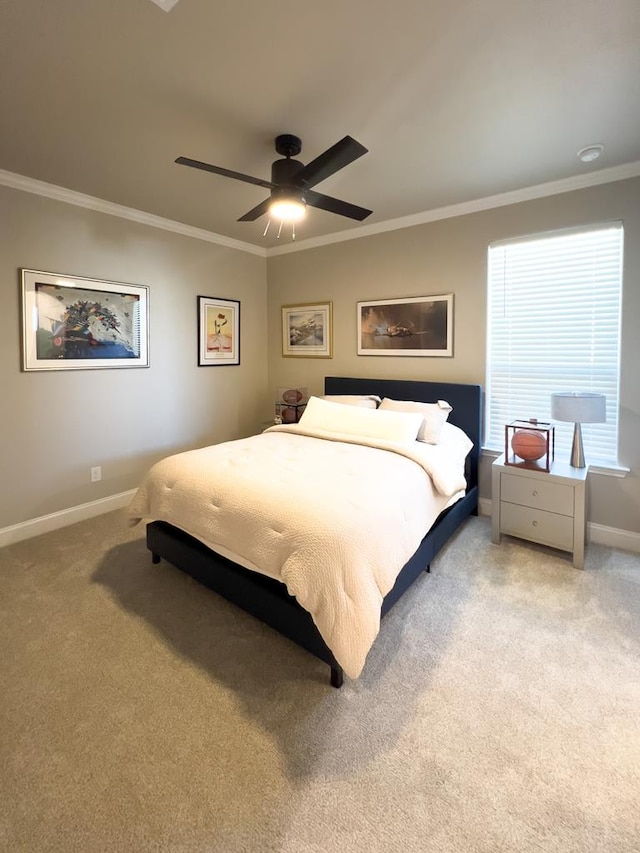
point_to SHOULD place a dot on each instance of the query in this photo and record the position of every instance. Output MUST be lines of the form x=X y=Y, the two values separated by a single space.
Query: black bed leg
x=428 y=569
x=337 y=676
x=155 y=558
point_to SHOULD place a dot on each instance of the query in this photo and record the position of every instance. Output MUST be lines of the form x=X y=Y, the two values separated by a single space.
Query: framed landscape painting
x=218 y=331
x=73 y=323
x=307 y=330
x=418 y=325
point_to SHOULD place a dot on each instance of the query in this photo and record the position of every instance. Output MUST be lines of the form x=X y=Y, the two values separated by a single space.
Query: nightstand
x=540 y=507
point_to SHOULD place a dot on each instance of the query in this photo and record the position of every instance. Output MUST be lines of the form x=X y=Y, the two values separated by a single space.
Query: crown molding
x=564 y=185
x=31 y=185
x=165 y=5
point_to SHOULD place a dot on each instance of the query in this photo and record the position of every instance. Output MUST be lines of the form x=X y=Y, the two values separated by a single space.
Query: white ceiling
x=456 y=100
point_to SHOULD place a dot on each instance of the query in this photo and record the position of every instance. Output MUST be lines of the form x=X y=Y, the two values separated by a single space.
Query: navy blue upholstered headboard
x=465 y=399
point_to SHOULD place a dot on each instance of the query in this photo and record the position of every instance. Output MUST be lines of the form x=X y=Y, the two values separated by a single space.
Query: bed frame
x=268 y=599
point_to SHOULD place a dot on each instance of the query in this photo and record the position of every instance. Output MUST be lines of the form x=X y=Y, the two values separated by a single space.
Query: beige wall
x=449 y=256
x=56 y=425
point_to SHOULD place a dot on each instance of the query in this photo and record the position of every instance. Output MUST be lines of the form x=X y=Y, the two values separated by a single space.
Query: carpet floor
x=499 y=709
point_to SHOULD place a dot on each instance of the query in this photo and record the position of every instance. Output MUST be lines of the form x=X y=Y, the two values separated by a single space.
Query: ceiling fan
x=291 y=181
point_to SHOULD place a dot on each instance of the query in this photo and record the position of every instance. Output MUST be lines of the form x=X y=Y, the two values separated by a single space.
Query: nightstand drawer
x=550 y=496
x=548 y=528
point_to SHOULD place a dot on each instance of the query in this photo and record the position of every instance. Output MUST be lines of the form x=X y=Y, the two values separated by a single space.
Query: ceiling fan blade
x=334 y=205
x=227 y=173
x=256 y=212
x=333 y=159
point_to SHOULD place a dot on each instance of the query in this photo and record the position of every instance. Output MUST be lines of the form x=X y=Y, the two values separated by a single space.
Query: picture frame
x=71 y=322
x=307 y=330
x=414 y=326
x=218 y=331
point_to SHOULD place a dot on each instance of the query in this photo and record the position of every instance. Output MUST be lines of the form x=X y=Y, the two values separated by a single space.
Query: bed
x=267 y=597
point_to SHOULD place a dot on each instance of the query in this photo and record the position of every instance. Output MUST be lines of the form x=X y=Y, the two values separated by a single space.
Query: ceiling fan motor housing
x=283 y=173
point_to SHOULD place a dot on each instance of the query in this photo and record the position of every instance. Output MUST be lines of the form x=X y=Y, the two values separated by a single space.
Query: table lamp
x=578 y=407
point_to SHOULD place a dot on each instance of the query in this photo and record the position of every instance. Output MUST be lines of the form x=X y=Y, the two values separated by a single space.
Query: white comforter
x=331 y=517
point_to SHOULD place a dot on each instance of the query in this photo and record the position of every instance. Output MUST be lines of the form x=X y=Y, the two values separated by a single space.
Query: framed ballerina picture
x=218 y=331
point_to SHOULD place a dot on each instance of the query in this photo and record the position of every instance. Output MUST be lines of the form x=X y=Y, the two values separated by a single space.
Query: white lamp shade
x=579 y=407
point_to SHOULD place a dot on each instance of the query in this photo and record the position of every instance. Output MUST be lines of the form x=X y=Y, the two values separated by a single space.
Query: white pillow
x=354 y=420
x=455 y=438
x=366 y=401
x=433 y=415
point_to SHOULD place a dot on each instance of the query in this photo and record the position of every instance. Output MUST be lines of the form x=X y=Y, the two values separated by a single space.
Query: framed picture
x=73 y=323
x=418 y=325
x=218 y=331
x=307 y=330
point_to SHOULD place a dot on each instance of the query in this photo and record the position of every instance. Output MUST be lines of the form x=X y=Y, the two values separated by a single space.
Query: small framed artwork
x=307 y=330
x=71 y=323
x=218 y=331
x=418 y=325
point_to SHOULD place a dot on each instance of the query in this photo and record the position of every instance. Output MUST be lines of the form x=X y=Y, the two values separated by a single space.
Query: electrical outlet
x=96 y=474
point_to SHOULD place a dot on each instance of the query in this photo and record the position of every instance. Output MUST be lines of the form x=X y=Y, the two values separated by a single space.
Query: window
x=554 y=325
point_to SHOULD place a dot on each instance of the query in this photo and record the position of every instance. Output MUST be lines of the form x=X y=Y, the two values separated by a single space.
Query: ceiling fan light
x=288 y=210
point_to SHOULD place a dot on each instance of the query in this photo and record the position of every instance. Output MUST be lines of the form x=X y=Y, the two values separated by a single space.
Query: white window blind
x=554 y=325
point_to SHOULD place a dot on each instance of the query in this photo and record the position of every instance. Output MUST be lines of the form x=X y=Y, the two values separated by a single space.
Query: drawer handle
x=535 y=523
x=534 y=493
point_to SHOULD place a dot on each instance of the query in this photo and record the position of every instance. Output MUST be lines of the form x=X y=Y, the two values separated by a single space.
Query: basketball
x=292 y=396
x=289 y=415
x=529 y=444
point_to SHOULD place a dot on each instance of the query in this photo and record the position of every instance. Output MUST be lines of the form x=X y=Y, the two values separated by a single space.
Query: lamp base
x=577 y=452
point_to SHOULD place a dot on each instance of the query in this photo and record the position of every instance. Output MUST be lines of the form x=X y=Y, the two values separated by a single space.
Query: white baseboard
x=613 y=537
x=599 y=534
x=63 y=518
x=484 y=506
